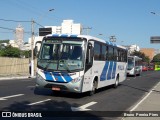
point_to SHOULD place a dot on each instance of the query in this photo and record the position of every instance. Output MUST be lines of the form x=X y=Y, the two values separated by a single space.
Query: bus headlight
x=39 y=77
x=77 y=79
x=132 y=71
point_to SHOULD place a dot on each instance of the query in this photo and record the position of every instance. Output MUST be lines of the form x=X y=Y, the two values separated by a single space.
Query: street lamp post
x=32 y=48
x=43 y=15
x=153 y=13
x=32 y=45
x=155 y=39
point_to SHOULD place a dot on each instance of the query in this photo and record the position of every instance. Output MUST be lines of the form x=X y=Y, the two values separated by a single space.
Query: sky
x=130 y=21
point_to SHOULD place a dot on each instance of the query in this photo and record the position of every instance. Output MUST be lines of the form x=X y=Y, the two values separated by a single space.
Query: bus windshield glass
x=62 y=54
x=130 y=63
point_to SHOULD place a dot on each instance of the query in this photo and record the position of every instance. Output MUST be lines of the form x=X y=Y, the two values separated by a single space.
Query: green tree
x=156 y=59
x=26 y=53
x=4 y=41
x=10 y=51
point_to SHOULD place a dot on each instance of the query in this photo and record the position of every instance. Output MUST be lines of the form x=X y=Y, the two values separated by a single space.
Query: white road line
x=87 y=105
x=144 y=97
x=11 y=96
x=83 y=107
x=141 y=101
x=39 y=102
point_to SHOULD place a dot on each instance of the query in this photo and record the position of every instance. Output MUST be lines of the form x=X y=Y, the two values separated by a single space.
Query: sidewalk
x=148 y=105
x=14 y=77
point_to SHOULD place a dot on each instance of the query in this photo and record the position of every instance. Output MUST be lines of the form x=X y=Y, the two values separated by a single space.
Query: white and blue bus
x=134 y=65
x=79 y=63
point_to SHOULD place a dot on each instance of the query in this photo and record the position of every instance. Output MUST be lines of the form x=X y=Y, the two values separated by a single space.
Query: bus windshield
x=130 y=63
x=62 y=55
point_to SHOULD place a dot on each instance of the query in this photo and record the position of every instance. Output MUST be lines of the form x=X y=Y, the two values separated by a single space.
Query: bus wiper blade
x=66 y=67
x=49 y=62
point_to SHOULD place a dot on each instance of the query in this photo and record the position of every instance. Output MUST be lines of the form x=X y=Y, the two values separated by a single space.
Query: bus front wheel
x=93 y=90
x=116 y=82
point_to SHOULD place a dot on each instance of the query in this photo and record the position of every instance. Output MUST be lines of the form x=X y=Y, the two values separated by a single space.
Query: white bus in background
x=134 y=65
x=79 y=63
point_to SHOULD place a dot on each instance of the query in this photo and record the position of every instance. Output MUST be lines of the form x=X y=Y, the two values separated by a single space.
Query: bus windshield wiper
x=67 y=68
x=49 y=62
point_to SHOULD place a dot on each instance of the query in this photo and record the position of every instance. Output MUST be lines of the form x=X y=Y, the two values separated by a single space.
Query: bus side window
x=115 y=54
x=110 y=53
x=103 y=52
x=106 y=52
x=89 y=56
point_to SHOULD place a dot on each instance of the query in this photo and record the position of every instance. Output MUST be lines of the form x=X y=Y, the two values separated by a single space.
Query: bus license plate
x=56 y=88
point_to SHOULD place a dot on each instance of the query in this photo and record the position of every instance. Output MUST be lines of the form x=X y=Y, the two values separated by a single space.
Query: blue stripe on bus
x=67 y=77
x=104 y=72
x=109 y=75
x=107 y=42
x=57 y=77
x=114 y=70
x=55 y=35
x=48 y=76
x=64 y=35
x=115 y=44
x=73 y=35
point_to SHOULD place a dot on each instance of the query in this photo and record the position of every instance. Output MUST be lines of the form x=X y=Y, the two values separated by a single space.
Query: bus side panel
x=88 y=79
x=91 y=74
x=110 y=72
x=121 y=70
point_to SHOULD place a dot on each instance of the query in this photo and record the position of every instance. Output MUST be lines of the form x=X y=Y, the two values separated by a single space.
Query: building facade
x=132 y=48
x=150 y=52
x=19 y=36
x=67 y=27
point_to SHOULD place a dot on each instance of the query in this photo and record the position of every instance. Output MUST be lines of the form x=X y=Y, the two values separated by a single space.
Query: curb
x=16 y=78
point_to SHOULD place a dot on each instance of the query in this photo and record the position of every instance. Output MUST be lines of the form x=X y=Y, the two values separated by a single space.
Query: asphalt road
x=21 y=95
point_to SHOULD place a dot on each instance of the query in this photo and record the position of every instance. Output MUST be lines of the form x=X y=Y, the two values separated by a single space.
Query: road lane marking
x=39 y=102
x=140 y=101
x=11 y=96
x=83 y=107
x=136 y=106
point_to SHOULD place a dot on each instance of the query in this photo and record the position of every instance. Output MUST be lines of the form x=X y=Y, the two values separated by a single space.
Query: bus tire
x=92 y=92
x=116 y=82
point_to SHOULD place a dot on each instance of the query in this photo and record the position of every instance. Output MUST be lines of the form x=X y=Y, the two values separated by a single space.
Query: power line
x=12 y=30
x=39 y=24
x=4 y=32
x=14 y=20
x=20 y=21
x=7 y=28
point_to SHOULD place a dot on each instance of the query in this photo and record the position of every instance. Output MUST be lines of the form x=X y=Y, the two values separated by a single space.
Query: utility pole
x=87 y=29
x=32 y=48
x=112 y=38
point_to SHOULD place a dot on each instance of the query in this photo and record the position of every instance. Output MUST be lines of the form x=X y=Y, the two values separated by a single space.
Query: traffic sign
x=155 y=39
x=45 y=31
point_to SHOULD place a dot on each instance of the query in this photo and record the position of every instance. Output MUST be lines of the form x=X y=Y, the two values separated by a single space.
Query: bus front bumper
x=70 y=87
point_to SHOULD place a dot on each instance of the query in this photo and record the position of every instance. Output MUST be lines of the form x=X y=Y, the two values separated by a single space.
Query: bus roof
x=88 y=37
x=136 y=57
